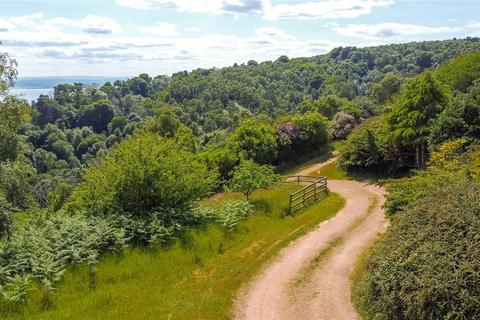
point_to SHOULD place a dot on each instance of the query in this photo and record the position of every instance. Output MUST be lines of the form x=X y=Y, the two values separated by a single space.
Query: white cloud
x=180 y=5
x=328 y=9
x=74 y=52
x=90 y=24
x=268 y=31
x=5 y=25
x=26 y=20
x=160 y=29
x=325 y=9
x=11 y=23
x=389 y=30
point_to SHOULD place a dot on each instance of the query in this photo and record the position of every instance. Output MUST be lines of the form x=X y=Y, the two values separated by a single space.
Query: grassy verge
x=359 y=287
x=332 y=172
x=197 y=278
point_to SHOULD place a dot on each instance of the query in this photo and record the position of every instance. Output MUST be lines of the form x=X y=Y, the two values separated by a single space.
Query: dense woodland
x=91 y=170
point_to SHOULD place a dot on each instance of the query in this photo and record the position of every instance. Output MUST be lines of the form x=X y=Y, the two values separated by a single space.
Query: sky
x=127 y=37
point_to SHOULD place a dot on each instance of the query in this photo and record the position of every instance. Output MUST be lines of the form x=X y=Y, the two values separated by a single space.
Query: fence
x=309 y=194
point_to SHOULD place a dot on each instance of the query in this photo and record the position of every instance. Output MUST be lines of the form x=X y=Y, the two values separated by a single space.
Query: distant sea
x=32 y=87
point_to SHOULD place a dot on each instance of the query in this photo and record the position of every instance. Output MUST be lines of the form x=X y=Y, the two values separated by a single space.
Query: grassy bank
x=197 y=278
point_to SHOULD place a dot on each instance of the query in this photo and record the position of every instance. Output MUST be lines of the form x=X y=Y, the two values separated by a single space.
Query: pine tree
x=421 y=100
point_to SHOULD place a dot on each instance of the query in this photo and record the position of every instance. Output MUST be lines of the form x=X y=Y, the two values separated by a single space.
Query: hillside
x=167 y=170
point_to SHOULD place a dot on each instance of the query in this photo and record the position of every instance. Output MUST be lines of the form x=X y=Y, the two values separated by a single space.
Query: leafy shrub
x=5 y=216
x=460 y=73
x=249 y=176
x=254 y=140
x=366 y=147
x=231 y=213
x=300 y=133
x=447 y=165
x=43 y=247
x=403 y=193
x=15 y=182
x=227 y=215
x=342 y=125
x=426 y=266
x=143 y=174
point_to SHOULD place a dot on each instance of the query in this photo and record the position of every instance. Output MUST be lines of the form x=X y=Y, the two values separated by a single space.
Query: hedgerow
x=427 y=266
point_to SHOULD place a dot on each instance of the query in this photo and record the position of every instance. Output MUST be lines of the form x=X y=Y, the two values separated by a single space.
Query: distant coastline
x=32 y=87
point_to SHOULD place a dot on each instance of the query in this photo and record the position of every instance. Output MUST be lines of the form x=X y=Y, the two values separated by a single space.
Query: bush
x=143 y=174
x=450 y=163
x=5 y=217
x=426 y=266
x=16 y=182
x=460 y=73
x=249 y=176
x=342 y=125
x=301 y=133
x=232 y=213
x=228 y=215
x=43 y=247
x=366 y=148
x=254 y=140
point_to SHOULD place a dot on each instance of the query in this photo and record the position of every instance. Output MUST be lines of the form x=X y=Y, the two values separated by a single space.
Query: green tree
x=421 y=100
x=365 y=147
x=249 y=176
x=8 y=72
x=5 y=216
x=254 y=140
x=165 y=122
x=15 y=182
x=389 y=86
x=13 y=112
x=461 y=72
x=97 y=115
x=142 y=174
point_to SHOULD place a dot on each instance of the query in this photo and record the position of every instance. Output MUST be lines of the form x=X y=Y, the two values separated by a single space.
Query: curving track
x=324 y=290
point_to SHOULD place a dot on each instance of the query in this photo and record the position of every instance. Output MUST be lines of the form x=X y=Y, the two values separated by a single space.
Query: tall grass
x=197 y=278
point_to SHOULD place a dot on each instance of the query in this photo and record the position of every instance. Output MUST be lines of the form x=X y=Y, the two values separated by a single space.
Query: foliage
x=15 y=182
x=425 y=266
x=249 y=176
x=386 y=89
x=5 y=217
x=367 y=147
x=254 y=140
x=449 y=164
x=420 y=101
x=232 y=213
x=203 y=271
x=8 y=72
x=43 y=247
x=97 y=115
x=228 y=214
x=142 y=174
x=461 y=118
x=300 y=134
x=342 y=125
x=461 y=72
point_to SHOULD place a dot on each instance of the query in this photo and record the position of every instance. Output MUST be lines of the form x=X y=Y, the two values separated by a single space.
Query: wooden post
x=290 y=206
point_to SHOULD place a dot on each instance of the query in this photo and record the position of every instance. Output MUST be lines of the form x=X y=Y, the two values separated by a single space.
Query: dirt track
x=296 y=285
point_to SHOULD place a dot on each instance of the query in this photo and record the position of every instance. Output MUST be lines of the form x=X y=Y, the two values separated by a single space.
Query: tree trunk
x=421 y=155
x=418 y=155
x=424 y=155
